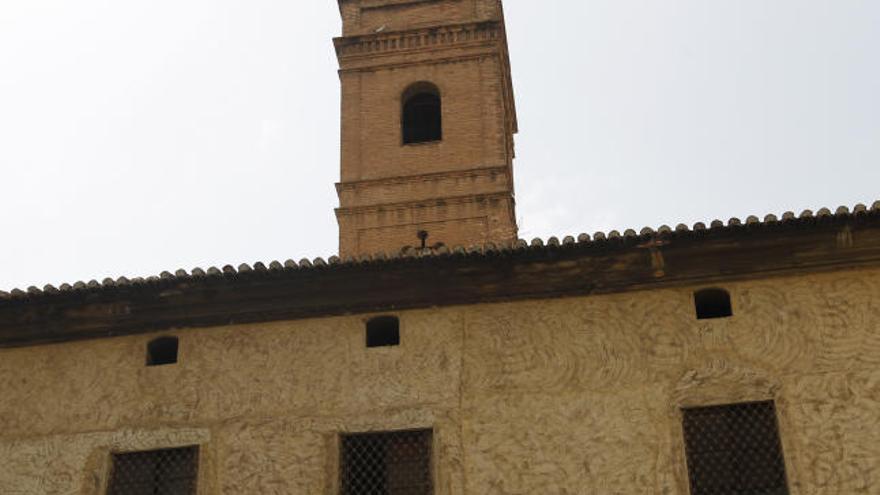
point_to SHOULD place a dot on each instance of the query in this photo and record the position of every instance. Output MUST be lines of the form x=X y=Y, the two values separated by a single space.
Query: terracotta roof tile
x=807 y=216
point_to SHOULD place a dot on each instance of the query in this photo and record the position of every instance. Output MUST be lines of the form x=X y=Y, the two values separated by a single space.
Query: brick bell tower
x=428 y=120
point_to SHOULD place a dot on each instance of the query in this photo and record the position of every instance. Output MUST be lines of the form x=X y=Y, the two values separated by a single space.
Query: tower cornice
x=418 y=39
x=434 y=201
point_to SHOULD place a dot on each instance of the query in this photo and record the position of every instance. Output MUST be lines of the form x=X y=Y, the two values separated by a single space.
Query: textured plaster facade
x=574 y=395
x=562 y=396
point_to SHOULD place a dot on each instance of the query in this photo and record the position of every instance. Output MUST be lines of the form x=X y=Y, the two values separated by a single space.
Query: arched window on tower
x=422 y=116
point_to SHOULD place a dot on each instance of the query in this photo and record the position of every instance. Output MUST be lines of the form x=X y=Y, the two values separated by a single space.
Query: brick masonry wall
x=473 y=132
x=413 y=188
x=381 y=178
x=465 y=221
x=365 y=16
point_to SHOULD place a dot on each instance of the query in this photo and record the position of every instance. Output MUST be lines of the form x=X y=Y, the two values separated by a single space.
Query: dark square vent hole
x=383 y=331
x=712 y=303
x=162 y=351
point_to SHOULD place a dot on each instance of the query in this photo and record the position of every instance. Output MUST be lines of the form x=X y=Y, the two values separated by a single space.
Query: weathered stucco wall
x=565 y=396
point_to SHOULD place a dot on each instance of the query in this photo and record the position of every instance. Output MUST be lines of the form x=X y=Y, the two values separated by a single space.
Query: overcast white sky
x=141 y=136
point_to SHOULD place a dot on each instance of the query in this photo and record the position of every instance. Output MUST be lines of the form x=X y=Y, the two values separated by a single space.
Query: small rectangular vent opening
x=383 y=331
x=389 y=463
x=734 y=450
x=162 y=351
x=712 y=303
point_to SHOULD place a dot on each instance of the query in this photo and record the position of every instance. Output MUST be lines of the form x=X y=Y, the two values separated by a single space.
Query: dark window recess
x=156 y=472
x=383 y=331
x=712 y=303
x=734 y=450
x=162 y=351
x=393 y=463
x=422 y=118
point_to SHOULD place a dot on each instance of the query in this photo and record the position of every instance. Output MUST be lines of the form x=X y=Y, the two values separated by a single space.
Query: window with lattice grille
x=155 y=472
x=734 y=450
x=391 y=463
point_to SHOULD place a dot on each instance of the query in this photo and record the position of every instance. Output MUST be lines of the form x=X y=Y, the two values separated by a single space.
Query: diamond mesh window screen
x=393 y=463
x=734 y=450
x=157 y=472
